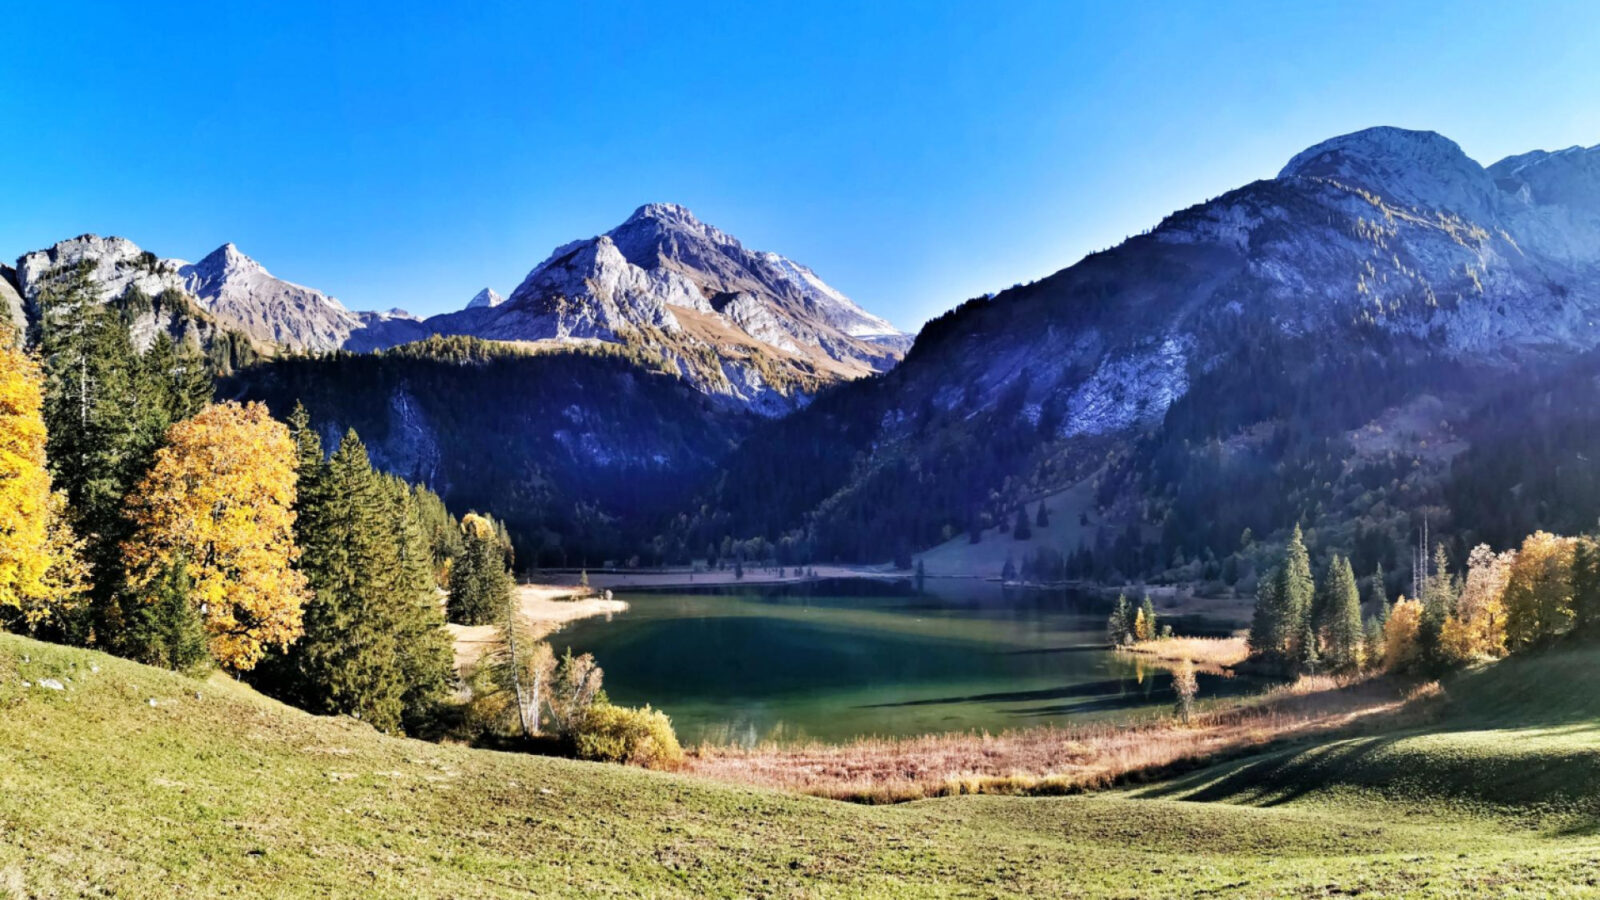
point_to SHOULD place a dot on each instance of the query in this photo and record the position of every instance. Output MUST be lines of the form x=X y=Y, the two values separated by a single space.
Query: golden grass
x=1050 y=760
x=1214 y=655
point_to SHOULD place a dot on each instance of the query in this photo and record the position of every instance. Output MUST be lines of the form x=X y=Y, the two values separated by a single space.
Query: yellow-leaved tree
x=1538 y=594
x=219 y=501
x=1400 y=635
x=1478 y=626
x=41 y=566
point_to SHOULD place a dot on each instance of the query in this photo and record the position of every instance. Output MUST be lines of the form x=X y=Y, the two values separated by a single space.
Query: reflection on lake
x=835 y=660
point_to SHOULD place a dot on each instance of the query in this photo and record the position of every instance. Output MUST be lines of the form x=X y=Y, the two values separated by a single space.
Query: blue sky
x=914 y=154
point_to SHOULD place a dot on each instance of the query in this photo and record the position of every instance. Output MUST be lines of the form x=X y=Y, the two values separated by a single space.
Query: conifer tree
x=480 y=581
x=1342 y=628
x=374 y=645
x=1120 y=626
x=1586 y=586
x=1283 y=607
x=1438 y=604
x=168 y=628
x=1043 y=520
x=1147 y=611
x=1022 y=531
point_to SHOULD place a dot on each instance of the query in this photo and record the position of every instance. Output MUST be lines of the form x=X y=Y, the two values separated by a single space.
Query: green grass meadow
x=213 y=790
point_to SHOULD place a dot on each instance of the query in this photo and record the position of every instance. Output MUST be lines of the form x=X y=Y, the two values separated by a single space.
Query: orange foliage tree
x=1478 y=627
x=1538 y=594
x=219 y=502
x=41 y=568
x=1400 y=635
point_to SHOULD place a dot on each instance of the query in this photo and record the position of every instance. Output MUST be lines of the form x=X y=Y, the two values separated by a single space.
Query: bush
x=641 y=737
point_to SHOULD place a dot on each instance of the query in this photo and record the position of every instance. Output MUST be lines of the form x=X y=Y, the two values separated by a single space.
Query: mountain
x=1264 y=357
x=239 y=290
x=233 y=291
x=151 y=293
x=753 y=328
x=485 y=298
x=581 y=449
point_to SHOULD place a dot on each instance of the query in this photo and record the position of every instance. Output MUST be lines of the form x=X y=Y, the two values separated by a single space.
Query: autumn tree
x=1400 y=636
x=1538 y=595
x=219 y=501
x=41 y=572
x=1478 y=626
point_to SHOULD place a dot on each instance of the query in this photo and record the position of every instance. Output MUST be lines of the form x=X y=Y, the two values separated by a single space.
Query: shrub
x=641 y=737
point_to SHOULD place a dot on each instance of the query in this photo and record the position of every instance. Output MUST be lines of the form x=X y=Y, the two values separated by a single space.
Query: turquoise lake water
x=832 y=661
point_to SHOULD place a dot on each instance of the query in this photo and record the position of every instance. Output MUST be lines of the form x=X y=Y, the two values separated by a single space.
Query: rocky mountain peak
x=485 y=299
x=1422 y=169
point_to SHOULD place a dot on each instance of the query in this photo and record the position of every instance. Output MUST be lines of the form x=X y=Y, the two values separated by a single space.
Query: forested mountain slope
x=1231 y=368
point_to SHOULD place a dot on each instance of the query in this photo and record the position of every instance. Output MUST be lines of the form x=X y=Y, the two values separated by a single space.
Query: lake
x=835 y=660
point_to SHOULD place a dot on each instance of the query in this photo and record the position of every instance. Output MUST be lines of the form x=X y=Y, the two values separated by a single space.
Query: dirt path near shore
x=546 y=607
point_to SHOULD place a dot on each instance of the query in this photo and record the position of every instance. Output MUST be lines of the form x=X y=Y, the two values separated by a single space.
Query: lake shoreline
x=545 y=607
x=1052 y=760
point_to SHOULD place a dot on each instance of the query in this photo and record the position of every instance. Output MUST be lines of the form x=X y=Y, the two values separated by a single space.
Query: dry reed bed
x=1049 y=760
x=1216 y=655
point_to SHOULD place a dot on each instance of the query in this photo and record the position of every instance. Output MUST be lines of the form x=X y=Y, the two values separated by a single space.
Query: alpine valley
x=1384 y=333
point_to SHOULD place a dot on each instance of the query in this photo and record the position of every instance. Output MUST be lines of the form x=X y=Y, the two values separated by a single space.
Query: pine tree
x=1306 y=646
x=169 y=630
x=1147 y=610
x=1283 y=607
x=481 y=579
x=1119 y=627
x=374 y=645
x=1586 y=586
x=1438 y=604
x=1022 y=531
x=1043 y=520
x=1342 y=627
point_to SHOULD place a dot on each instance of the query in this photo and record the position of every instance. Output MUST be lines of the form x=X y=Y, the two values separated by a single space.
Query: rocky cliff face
x=239 y=290
x=1384 y=231
x=234 y=291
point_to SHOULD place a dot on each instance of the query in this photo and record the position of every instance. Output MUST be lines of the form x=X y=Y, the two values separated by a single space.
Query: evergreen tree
x=1283 y=607
x=1296 y=589
x=1043 y=520
x=1148 y=610
x=1342 y=627
x=480 y=581
x=1119 y=627
x=169 y=629
x=1306 y=647
x=1586 y=586
x=374 y=645
x=1008 y=572
x=1022 y=531
x=1438 y=604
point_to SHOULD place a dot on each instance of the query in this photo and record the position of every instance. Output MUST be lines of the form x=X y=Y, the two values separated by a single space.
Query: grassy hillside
x=1517 y=741
x=135 y=782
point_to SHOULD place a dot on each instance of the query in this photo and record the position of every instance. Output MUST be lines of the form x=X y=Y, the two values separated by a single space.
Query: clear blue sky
x=914 y=154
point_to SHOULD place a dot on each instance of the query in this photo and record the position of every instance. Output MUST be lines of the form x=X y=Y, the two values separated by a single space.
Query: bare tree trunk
x=516 y=668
